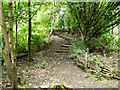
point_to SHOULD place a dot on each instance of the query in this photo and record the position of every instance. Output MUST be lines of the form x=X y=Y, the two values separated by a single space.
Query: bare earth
x=61 y=70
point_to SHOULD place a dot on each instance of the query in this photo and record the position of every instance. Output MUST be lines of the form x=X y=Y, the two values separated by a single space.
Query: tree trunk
x=16 y=25
x=5 y=52
x=11 y=46
x=10 y=66
x=9 y=50
x=29 y=33
x=49 y=35
x=16 y=29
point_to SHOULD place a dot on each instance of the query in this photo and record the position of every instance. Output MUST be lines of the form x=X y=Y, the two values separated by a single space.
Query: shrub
x=98 y=65
x=22 y=39
x=104 y=42
x=78 y=48
x=38 y=38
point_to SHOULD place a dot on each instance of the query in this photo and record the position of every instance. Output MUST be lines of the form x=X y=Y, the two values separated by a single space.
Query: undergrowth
x=94 y=62
x=105 y=43
x=38 y=38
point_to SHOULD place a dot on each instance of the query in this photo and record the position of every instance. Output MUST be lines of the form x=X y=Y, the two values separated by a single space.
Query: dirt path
x=61 y=69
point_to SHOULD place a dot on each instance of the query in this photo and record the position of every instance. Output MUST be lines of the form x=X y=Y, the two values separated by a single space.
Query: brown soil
x=61 y=69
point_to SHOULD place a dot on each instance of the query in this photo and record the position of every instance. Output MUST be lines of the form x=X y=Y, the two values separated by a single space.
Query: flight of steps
x=62 y=34
x=64 y=48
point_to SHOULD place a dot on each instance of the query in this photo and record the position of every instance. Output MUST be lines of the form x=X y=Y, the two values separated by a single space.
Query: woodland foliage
x=94 y=18
x=25 y=26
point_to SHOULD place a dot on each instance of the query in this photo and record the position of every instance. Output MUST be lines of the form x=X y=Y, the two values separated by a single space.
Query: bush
x=22 y=39
x=99 y=65
x=78 y=48
x=105 y=42
x=38 y=38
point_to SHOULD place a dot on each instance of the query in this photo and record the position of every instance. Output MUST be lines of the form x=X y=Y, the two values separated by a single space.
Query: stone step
x=64 y=48
x=63 y=36
x=65 y=45
x=20 y=55
x=68 y=43
x=62 y=51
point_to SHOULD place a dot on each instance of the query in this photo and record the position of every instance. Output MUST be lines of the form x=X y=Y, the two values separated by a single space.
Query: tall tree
x=29 y=32
x=11 y=46
x=8 y=53
x=94 y=18
x=16 y=21
x=49 y=35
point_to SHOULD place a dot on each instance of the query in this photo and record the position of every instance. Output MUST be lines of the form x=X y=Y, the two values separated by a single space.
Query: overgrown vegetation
x=94 y=19
x=105 y=43
x=38 y=39
x=101 y=65
x=26 y=25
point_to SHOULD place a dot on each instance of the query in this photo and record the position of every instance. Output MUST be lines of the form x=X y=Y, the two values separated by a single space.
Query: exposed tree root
x=106 y=69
